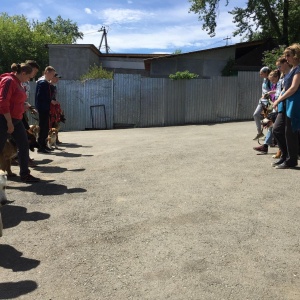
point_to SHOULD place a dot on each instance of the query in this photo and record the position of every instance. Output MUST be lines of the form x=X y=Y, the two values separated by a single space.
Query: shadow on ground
x=13 y=215
x=11 y=290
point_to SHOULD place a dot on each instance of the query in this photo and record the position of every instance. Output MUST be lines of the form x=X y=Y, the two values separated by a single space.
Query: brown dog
x=35 y=130
x=10 y=151
x=277 y=155
x=52 y=137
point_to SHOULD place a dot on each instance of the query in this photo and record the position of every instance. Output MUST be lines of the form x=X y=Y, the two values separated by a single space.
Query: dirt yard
x=185 y=212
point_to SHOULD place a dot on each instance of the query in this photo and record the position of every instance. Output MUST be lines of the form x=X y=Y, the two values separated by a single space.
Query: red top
x=12 y=96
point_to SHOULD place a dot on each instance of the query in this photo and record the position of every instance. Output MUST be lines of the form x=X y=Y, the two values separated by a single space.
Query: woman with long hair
x=289 y=105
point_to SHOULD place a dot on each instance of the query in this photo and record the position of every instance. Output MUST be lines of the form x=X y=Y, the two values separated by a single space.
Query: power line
x=91 y=32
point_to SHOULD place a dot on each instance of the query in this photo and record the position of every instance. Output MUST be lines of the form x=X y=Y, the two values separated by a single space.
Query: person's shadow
x=11 y=290
x=10 y=258
x=13 y=215
x=48 y=188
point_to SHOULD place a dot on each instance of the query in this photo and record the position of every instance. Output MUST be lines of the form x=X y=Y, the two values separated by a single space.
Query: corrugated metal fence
x=130 y=100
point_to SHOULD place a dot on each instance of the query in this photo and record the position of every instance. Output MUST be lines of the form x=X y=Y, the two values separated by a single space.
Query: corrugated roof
x=237 y=45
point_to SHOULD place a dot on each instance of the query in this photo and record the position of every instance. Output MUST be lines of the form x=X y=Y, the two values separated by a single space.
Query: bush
x=183 y=75
x=270 y=57
x=97 y=72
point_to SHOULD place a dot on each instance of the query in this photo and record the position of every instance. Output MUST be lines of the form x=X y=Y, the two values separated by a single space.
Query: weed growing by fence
x=183 y=75
x=97 y=72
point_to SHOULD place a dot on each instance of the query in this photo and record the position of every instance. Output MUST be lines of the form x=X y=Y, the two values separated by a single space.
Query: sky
x=134 y=26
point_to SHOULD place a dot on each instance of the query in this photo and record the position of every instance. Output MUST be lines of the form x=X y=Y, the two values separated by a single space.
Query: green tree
x=258 y=19
x=270 y=57
x=21 y=39
x=59 y=31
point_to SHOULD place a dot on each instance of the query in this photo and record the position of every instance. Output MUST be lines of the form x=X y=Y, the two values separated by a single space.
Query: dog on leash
x=3 y=198
x=278 y=154
x=267 y=122
x=52 y=138
x=10 y=151
x=35 y=130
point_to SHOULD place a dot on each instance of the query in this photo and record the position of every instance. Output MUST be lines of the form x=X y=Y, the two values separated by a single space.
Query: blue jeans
x=257 y=117
x=269 y=137
x=20 y=136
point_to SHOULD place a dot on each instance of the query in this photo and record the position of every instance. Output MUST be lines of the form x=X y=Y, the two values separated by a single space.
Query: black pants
x=286 y=138
x=20 y=136
x=44 y=128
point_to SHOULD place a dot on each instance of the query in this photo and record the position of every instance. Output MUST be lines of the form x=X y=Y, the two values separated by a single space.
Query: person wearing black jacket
x=42 y=105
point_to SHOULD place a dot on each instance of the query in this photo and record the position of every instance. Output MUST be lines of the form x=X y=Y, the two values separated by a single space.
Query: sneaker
x=43 y=150
x=29 y=178
x=48 y=149
x=259 y=135
x=284 y=165
x=262 y=149
x=278 y=162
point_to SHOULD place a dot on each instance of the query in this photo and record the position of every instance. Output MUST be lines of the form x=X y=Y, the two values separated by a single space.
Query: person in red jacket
x=12 y=99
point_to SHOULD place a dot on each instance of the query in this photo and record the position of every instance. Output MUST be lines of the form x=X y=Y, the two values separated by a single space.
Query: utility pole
x=227 y=38
x=104 y=37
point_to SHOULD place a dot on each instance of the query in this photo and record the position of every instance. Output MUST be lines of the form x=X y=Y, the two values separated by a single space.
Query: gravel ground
x=186 y=212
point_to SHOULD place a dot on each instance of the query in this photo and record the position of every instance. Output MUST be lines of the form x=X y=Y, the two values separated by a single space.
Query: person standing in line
x=27 y=106
x=12 y=99
x=42 y=104
x=289 y=119
x=35 y=68
x=274 y=93
x=55 y=108
x=266 y=87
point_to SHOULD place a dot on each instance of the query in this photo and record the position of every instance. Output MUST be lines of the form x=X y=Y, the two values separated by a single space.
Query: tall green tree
x=21 y=39
x=59 y=31
x=257 y=19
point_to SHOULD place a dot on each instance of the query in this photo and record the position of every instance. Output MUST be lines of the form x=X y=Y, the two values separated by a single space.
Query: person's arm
x=10 y=125
x=6 y=89
x=289 y=92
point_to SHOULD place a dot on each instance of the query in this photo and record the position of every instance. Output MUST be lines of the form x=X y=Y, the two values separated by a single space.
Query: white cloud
x=158 y=29
x=88 y=11
x=122 y=16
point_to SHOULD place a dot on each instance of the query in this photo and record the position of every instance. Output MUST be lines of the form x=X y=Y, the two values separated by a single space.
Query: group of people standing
x=14 y=91
x=284 y=84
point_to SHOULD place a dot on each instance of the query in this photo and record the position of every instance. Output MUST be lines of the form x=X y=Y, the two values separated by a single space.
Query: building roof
x=112 y=55
x=248 y=55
